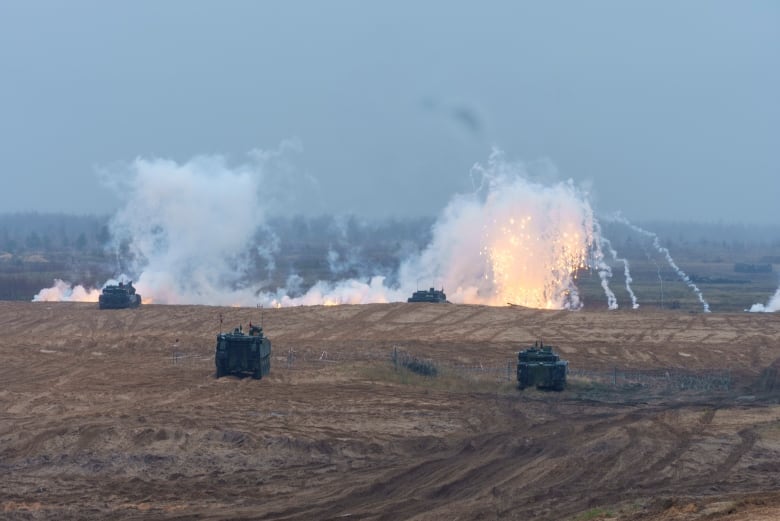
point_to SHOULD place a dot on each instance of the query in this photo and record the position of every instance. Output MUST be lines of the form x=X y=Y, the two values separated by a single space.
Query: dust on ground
x=117 y=414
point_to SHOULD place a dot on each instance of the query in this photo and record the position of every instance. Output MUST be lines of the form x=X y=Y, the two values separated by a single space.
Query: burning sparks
x=530 y=240
x=533 y=266
x=513 y=241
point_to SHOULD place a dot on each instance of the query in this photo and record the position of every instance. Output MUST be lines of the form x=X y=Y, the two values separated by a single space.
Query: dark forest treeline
x=47 y=232
x=37 y=248
x=41 y=232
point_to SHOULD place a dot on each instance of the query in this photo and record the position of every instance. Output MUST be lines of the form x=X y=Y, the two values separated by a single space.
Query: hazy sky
x=669 y=109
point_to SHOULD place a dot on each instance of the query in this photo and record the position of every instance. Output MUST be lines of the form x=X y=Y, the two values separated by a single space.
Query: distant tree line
x=56 y=232
x=77 y=248
x=37 y=232
x=40 y=232
x=691 y=239
x=745 y=267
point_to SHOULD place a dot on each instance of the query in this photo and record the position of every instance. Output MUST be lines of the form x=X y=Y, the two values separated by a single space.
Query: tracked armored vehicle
x=540 y=366
x=431 y=295
x=240 y=353
x=119 y=296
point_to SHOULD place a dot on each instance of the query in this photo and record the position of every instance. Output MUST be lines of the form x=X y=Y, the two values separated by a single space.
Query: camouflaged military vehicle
x=431 y=295
x=238 y=353
x=539 y=366
x=119 y=296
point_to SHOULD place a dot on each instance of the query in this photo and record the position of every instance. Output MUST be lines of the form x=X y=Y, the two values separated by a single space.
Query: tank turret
x=540 y=366
x=431 y=295
x=119 y=296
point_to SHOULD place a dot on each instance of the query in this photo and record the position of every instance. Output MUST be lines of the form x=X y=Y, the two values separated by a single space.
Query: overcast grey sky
x=670 y=109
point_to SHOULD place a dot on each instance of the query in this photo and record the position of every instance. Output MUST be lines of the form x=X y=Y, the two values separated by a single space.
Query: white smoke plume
x=63 y=291
x=188 y=230
x=513 y=241
x=604 y=269
x=626 y=271
x=770 y=307
x=665 y=252
x=345 y=256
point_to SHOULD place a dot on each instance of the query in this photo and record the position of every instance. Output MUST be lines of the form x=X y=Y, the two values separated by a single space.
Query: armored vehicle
x=539 y=366
x=431 y=295
x=238 y=352
x=118 y=296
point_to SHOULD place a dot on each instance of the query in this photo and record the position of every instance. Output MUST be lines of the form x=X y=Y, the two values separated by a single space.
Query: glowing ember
x=536 y=240
x=532 y=263
x=513 y=241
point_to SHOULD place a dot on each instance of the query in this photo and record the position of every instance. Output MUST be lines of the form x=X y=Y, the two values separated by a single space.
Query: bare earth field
x=117 y=415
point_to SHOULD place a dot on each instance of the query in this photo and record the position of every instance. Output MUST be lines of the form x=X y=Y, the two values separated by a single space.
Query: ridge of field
x=99 y=422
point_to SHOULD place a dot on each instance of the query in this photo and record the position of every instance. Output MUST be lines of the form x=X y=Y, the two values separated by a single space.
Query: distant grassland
x=37 y=249
x=670 y=292
x=21 y=277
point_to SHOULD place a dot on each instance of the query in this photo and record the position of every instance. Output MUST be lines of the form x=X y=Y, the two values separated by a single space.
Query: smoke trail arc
x=665 y=252
x=604 y=269
x=626 y=271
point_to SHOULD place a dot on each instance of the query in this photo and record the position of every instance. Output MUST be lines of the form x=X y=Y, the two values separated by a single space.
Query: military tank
x=540 y=366
x=431 y=295
x=119 y=296
x=240 y=353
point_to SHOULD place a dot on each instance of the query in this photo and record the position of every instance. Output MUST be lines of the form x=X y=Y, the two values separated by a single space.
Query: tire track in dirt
x=461 y=475
x=319 y=442
x=454 y=313
x=749 y=439
x=684 y=442
x=417 y=489
x=740 y=331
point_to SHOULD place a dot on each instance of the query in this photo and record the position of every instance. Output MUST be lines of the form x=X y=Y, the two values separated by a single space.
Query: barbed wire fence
x=672 y=378
x=302 y=359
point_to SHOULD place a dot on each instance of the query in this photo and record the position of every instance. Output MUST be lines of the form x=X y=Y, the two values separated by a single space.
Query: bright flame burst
x=512 y=241
x=514 y=250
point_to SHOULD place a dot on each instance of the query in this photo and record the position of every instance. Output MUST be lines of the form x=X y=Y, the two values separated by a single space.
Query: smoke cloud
x=513 y=241
x=63 y=291
x=626 y=271
x=604 y=269
x=186 y=233
x=187 y=230
x=665 y=252
x=771 y=306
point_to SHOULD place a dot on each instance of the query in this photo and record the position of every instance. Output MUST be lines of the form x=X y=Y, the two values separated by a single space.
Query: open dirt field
x=117 y=415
